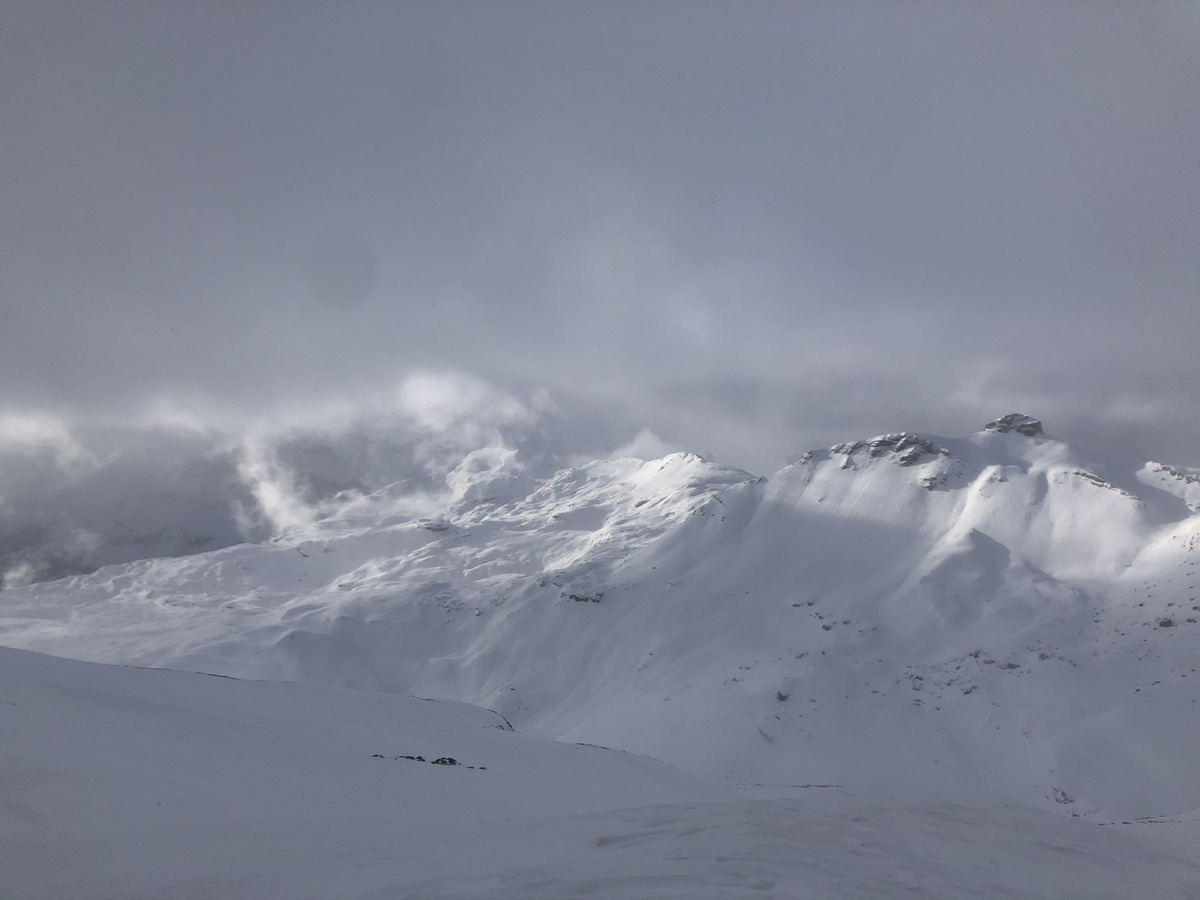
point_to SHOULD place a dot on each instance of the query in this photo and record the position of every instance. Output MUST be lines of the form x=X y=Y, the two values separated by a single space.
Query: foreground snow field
x=989 y=644
x=131 y=783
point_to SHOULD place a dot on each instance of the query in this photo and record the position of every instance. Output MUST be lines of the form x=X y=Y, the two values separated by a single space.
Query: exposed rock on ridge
x=906 y=448
x=1021 y=424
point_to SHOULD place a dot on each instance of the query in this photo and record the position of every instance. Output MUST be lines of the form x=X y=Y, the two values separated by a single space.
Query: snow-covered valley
x=987 y=646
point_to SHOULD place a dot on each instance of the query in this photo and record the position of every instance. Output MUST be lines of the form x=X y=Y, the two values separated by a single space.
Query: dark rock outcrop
x=1021 y=424
x=905 y=448
x=594 y=597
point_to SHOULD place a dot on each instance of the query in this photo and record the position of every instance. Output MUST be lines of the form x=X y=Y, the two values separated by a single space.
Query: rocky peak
x=1021 y=424
x=905 y=448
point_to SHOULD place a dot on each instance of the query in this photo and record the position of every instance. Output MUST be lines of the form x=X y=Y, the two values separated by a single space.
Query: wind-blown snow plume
x=74 y=497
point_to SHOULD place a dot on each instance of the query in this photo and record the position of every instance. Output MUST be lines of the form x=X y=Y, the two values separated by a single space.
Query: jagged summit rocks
x=904 y=448
x=1018 y=422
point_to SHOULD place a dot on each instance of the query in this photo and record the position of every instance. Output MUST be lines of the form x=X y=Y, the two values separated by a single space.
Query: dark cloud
x=71 y=502
x=747 y=226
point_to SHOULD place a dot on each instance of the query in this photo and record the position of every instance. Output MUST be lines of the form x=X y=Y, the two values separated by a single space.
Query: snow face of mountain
x=998 y=611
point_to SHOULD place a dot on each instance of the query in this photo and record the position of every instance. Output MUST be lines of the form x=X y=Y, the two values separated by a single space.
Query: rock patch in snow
x=1021 y=424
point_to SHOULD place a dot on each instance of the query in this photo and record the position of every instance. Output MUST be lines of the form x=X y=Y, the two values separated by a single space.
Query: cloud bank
x=749 y=229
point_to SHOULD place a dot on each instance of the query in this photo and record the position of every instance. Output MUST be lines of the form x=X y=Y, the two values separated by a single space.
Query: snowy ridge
x=999 y=611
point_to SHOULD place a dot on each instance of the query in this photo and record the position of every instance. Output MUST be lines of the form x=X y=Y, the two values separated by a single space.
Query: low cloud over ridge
x=750 y=230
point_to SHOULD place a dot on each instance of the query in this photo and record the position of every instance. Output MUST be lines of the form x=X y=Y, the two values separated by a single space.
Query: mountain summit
x=1021 y=424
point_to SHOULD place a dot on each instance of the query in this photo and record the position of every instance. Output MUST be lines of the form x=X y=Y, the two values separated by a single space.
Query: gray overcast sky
x=753 y=227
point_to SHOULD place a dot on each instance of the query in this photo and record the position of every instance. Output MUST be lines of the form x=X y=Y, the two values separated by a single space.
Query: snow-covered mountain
x=999 y=612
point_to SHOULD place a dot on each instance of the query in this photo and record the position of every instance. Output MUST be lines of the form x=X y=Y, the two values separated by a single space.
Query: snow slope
x=136 y=783
x=998 y=612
